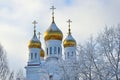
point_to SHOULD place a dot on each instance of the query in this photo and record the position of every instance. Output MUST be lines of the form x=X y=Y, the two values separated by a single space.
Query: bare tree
x=109 y=45
x=99 y=58
x=71 y=70
x=20 y=75
x=11 y=77
x=92 y=63
x=88 y=61
x=4 y=70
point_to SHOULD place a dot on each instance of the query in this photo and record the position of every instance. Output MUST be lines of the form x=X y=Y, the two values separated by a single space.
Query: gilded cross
x=34 y=22
x=69 y=21
x=52 y=8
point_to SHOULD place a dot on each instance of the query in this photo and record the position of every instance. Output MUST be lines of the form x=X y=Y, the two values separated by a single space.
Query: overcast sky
x=16 y=29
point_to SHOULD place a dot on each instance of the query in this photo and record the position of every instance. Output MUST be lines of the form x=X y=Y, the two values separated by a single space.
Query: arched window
x=72 y=53
x=47 y=51
x=50 y=50
x=55 y=51
x=58 y=50
x=35 y=55
x=31 y=55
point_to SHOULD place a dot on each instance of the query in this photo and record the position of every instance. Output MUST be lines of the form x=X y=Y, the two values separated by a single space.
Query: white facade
x=51 y=68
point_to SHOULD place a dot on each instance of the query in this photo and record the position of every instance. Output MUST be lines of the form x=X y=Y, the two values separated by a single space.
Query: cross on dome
x=52 y=8
x=69 y=21
x=34 y=22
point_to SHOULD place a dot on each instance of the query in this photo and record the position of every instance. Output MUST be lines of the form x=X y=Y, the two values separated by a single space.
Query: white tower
x=34 y=62
x=53 y=39
x=69 y=45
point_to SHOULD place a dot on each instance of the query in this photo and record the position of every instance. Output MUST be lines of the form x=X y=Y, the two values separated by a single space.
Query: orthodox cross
x=34 y=22
x=53 y=8
x=69 y=21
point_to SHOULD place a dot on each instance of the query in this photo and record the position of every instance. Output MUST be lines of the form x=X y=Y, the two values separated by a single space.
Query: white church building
x=50 y=64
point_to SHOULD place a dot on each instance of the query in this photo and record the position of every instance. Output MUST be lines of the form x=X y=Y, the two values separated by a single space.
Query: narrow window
x=35 y=55
x=58 y=50
x=31 y=55
x=72 y=53
x=50 y=50
x=47 y=51
x=54 y=50
x=68 y=55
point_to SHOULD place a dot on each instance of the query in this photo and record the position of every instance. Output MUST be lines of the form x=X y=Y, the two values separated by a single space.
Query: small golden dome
x=53 y=33
x=69 y=42
x=34 y=42
x=42 y=54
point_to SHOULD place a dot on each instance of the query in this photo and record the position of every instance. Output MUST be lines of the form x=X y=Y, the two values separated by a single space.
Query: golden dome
x=34 y=42
x=69 y=41
x=42 y=54
x=53 y=33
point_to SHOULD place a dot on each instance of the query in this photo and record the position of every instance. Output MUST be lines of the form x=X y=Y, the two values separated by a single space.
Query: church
x=53 y=63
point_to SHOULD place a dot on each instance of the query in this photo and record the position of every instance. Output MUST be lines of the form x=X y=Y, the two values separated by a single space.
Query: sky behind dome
x=16 y=16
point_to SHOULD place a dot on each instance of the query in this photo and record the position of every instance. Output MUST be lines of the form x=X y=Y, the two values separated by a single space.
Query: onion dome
x=34 y=42
x=42 y=53
x=53 y=32
x=69 y=41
